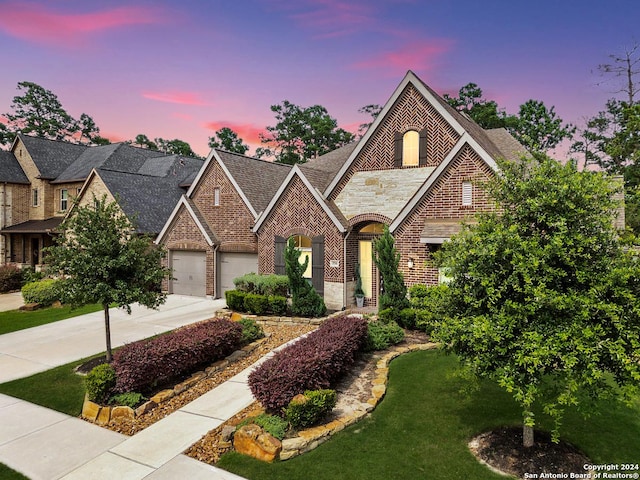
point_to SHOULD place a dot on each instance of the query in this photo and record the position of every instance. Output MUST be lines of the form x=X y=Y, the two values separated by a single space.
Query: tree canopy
x=543 y=296
x=39 y=112
x=226 y=139
x=103 y=260
x=301 y=133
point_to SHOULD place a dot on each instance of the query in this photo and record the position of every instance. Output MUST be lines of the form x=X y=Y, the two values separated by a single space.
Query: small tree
x=103 y=260
x=387 y=259
x=305 y=300
x=543 y=297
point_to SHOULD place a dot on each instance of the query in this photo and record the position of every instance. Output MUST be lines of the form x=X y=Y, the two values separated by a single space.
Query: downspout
x=215 y=271
x=4 y=222
x=344 y=261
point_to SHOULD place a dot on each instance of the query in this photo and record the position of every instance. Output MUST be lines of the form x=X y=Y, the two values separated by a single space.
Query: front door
x=366 y=267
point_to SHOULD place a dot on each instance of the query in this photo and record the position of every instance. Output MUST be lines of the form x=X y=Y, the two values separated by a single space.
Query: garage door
x=190 y=273
x=234 y=264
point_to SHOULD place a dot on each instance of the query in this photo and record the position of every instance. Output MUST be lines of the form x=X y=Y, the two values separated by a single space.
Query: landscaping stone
x=121 y=411
x=90 y=410
x=104 y=416
x=146 y=407
x=162 y=396
x=254 y=441
x=227 y=433
x=29 y=307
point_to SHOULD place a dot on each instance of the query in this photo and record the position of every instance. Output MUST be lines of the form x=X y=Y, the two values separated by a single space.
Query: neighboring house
x=209 y=235
x=417 y=170
x=40 y=178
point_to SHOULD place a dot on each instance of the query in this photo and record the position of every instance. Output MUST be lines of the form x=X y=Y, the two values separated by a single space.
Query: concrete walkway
x=37 y=349
x=10 y=301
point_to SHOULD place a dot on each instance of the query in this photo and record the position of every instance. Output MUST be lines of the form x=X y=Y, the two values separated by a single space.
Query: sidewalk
x=48 y=445
x=10 y=301
x=37 y=349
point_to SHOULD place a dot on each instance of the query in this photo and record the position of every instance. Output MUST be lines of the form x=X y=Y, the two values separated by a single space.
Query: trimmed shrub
x=256 y=303
x=235 y=299
x=262 y=284
x=129 y=399
x=141 y=366
x=382 y=335
x=100 y=382
x=308 y=303
x=251 y=331
x=44 y=292
x=308 y=409
x=11 y=278
x=271 y=424
x=407 y=318
x=278 y=305
x=312 y=363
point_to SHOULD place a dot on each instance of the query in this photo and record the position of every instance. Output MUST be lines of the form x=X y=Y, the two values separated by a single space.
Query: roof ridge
x=248 y=157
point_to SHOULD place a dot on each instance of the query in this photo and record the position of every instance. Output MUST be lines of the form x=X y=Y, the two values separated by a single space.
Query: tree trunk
x=527 y=436
x=107 y=330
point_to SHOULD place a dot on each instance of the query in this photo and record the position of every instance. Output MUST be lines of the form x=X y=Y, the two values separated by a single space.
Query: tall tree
x=373 y=109
x=543 y=296
x=387 y=259
x=143 y=141
x=228 y=140
x=539 y=128
x=38 y=112
x=103 y=261
x=89 y=130
x=301 y=134
x=175 y=147
x=484 y=112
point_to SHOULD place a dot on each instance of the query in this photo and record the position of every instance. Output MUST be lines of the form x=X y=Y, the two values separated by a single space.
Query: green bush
x=278 y=304
x=256 y=303
x=387 y=315
x=251 y=331
x=308 y=304
x=309 y=409
x=100 y=382
x=11 y=278
x=30 y=275
x=381 y=336
x=262 y=284
x=44 y=292
x=235 y=299
x=129 y=399
x=407 y=318
x=271 y=424
x=430 y=305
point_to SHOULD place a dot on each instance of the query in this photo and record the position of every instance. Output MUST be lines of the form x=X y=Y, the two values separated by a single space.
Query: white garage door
x=234 y=264
x=190 y=273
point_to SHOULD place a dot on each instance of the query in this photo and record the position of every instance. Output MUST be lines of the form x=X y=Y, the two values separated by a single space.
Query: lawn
x=7 y=473
x=59 y=389
x=422 y=427
x=15 y=320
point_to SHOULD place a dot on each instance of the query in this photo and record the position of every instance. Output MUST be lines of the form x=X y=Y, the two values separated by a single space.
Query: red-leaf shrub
x=312 y=363
x=143 y=365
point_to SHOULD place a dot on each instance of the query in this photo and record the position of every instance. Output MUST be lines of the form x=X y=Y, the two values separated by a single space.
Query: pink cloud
x=36 y=22
x=182 y=98
x=248 y=132
x=418 y=56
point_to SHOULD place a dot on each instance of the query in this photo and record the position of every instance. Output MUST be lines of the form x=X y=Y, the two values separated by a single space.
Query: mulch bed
x=502 y=450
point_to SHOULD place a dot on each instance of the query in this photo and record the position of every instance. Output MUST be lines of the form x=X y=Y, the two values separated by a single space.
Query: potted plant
x=358 y=292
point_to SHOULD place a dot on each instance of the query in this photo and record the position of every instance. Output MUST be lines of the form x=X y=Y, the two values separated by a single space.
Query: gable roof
x=10 y=169
x=193 y=211
x=329 y=208
x=51 y=157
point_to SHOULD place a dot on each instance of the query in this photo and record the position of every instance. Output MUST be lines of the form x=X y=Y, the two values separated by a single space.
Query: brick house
x=417 y=170
x=40 y=179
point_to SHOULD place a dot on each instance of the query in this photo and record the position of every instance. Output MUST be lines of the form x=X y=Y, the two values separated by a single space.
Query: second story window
x=64 y=199
x=410 y=149
x=216 y=197
x=35 y=197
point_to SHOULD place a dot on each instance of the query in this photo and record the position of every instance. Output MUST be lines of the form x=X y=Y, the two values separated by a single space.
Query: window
x=35 y=197
x=410 y=149
x=467 y=194
x=216 y=197
x=374 y=228
x=64 y=199
x=303 y=244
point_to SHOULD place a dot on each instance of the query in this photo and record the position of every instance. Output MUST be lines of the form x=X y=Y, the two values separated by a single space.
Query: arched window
x=410 y=149
x=374 y=228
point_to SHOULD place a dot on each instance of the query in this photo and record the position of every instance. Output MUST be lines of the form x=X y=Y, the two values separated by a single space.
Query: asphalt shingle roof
x=10 y=169
x=91 y=158
x=321 y=171
x=50 y=156
x=258 y=179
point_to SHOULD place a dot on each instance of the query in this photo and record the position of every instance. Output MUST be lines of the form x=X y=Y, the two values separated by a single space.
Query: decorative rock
x=29 y=307
x=378 y=391
x=90 y=410
x=253 y=441
x=288 y=454
x=104 y=416
x=238 y=354
x=145 y=407
x=219 y=365
x=227 y=432
x=293 y=444
x=162 y=396
x=122 y=412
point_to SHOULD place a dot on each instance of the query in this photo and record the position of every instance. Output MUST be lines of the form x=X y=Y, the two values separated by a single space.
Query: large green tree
x=470 y=100
x=175 y=147
x=301 y=133
x=226 y=139
x=543 y=296
x=102 y=260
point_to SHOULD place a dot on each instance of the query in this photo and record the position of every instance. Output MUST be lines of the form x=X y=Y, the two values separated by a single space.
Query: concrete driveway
x=10 y=301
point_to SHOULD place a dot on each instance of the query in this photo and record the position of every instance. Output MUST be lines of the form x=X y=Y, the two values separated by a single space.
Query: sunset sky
x=185 y=69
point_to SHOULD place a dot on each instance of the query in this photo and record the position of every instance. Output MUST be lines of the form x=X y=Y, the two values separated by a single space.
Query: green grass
x=59 y=388
x=422 y=427
x=7 y=473
x=15 y=320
